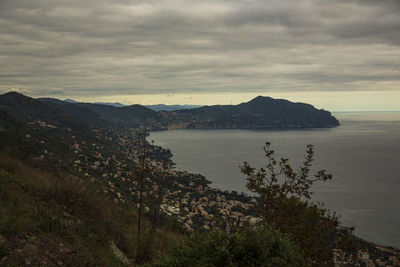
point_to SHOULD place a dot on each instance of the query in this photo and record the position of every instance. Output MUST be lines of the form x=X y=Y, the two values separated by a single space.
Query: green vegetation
x=284 y=195
x=49 y=219
x=253 y=247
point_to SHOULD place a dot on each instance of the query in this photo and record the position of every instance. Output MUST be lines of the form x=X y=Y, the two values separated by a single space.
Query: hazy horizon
x=112 y=100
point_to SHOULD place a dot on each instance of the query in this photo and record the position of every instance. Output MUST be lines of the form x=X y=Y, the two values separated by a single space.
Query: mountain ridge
x=30 y=110
x=261 y=112
x=164 y=107
x=258 y=113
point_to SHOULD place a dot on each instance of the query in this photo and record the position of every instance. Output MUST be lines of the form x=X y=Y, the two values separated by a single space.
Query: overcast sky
x=335 y=54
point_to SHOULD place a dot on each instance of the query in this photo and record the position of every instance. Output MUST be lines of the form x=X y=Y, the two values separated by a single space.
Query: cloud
x=109 y=47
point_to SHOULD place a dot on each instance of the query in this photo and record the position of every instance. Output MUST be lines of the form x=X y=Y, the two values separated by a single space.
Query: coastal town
x=363 y=258
x=112 y=160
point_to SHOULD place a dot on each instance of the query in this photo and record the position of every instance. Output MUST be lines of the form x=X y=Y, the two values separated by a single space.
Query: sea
x=363 y=154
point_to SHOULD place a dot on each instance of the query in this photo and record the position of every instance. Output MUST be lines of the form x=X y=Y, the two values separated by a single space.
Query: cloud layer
x=108 y=47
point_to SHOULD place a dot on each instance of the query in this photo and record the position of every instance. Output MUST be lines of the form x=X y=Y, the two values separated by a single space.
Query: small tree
x=145 y=237
x=159 y=196
x=284 y=196
x=277 y=180
x=140 y=179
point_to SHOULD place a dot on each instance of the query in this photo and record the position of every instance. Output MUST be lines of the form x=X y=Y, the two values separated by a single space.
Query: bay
x=363 y=154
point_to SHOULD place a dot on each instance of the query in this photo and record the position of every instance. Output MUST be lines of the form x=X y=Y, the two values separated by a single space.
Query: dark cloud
x=108 y=47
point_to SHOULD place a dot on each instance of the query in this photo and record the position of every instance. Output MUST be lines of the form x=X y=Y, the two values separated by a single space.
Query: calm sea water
x=363 y=154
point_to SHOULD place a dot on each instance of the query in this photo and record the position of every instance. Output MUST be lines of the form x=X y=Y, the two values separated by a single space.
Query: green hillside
x=49 y=220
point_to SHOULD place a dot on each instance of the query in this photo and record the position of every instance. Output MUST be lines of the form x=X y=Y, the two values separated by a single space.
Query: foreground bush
x=285 y=204
x=254 y=247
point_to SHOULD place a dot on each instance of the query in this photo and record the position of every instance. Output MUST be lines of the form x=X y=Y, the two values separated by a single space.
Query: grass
x=39 y=208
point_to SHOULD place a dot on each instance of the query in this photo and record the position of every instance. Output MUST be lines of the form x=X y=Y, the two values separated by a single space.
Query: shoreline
x=221 y=188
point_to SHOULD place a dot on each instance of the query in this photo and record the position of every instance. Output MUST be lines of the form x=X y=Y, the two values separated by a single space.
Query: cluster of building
x=363 y=259
x=113 y=160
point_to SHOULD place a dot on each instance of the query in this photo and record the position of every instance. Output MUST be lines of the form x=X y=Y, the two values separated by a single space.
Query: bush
x=285 y=204
x=260 y=246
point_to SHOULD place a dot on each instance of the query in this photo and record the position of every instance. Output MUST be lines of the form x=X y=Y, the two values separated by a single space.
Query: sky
x=334 y=54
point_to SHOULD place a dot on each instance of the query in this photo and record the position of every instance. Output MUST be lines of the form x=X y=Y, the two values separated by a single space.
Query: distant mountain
x=163 y=107
x=157 y=107
x=261 y=112
x=114 y=104
x=128 y=116
x=85 y=114
x=29 y=110
x=70 y=101
x=105 y=114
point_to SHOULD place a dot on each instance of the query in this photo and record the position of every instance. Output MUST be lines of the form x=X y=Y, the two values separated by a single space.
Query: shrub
x=285 y=203
x=260 y=246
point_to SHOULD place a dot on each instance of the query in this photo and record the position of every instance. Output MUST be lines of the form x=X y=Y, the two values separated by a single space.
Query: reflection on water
x=363 y=154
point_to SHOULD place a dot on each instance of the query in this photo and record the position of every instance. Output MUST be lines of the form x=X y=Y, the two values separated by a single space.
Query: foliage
x=38 y=211
x=313 y=227
x=284 y=203
x=253 y=247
